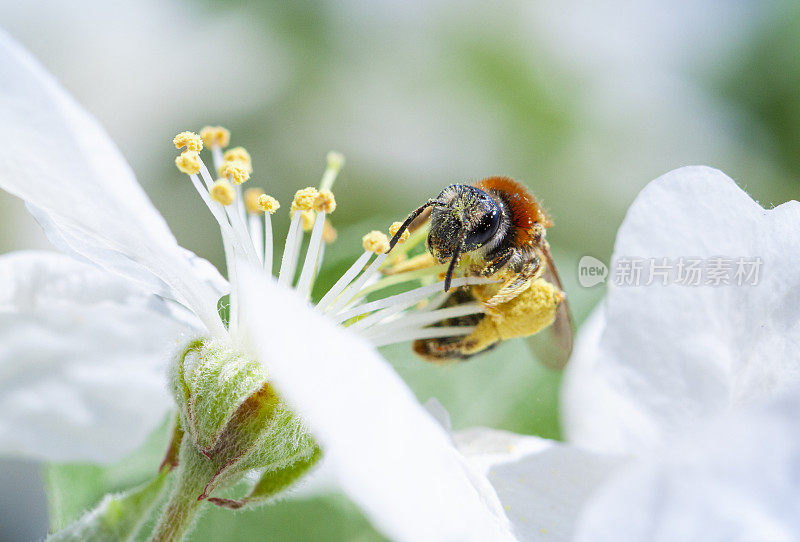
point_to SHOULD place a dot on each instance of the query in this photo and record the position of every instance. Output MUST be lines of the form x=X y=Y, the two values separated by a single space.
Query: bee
x=494 y=228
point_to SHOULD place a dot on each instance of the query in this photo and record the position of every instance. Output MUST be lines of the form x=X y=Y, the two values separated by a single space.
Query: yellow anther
x=239 y=154
x=307 y=220
x=304 y=199
x=251 y=196
x=236 y=171
x=335 y=161
x=394 y=228
x=325 y=202
x=329 y=233
x=190 y=140
x=222 y=192
x=215 y=136
x=268 y=204
x=188 y=162
x=375 y=241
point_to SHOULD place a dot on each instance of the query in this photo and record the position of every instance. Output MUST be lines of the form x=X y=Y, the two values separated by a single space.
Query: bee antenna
x=454 y=260
x=409 y=220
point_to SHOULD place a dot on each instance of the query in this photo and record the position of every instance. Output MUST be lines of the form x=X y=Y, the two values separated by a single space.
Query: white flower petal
x=57 y=158
x=542 y=484
x=82 y=359
x=386 y=452
x=669 y=356
x=735 y=479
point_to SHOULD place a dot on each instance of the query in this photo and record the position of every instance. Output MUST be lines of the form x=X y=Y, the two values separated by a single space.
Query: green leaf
x=74 y=488
x=332 y=518
x=117 y=517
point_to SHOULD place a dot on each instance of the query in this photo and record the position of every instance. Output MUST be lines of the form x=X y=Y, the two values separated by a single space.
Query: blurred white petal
x=736 y=479
x=542 y=484
x=57 y=158
x=386 y=452
x=83 y=357
x=661 y=358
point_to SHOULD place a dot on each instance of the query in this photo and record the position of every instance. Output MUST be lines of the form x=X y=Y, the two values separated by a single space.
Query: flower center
x=355 y=300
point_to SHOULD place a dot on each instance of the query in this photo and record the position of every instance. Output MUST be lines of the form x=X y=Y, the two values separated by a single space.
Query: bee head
x=463 y=219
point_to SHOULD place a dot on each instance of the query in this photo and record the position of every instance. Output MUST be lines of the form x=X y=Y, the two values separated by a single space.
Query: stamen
x=422 y=319
x=329 y=233
x=188 y=162
x=379 y=316
x=307 y=220
x=225 y=228
x=351 y=291
x=254 y=224
x=215 y=136
x=239 y=154
x=222 y=192
x=237 y=223
x=287 y=264
x=399 y=278
x=251 y=197
x=238 y=172
x=394 y=228
x=410 y=296
x=325 y=201
x=335 y=163
x=344 y=280
x=304 y=199
x=400 y=250
x=375 y=241
x=310 y=263
x=190 y=140
x=268 y=205
x=434 y=303
x=425 y=333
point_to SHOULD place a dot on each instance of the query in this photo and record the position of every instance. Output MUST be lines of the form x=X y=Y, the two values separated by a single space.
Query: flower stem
x=177 y=518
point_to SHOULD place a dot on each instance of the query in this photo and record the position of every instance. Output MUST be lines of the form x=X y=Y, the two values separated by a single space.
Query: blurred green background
x=584 y=102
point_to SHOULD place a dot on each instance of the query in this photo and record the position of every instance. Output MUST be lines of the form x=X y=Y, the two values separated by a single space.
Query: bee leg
x=517 y=284
x=496 y=264
x=511 y=289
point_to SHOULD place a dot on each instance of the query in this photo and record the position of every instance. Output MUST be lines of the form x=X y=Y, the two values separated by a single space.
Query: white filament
x=351 y=291
x=312 y=253
x=422 y=319
x=344 y=280
x=416 y=294
x=268 y=243
x=414 y=334
x=256 y=235
x=288 y=248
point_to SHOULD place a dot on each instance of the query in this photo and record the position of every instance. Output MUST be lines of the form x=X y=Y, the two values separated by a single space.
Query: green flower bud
x=233 y=417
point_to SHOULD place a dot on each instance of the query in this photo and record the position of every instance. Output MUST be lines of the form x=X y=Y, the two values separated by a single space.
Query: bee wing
x=553 y=345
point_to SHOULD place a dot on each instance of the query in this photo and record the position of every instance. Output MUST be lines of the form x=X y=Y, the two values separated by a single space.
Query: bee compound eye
x=485 y=229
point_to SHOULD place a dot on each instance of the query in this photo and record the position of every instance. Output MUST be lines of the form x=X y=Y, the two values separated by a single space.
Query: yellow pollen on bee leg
x=329 y=233
x=251 y=196
x=190 y=140
x=222 y=192
x=188 y=162
x=268 y=204
x=239 y=154
x=325 y=202
x=394 y=228
x=237 y=171
x=375 y=241
x=215 y=136
x=304 y=199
